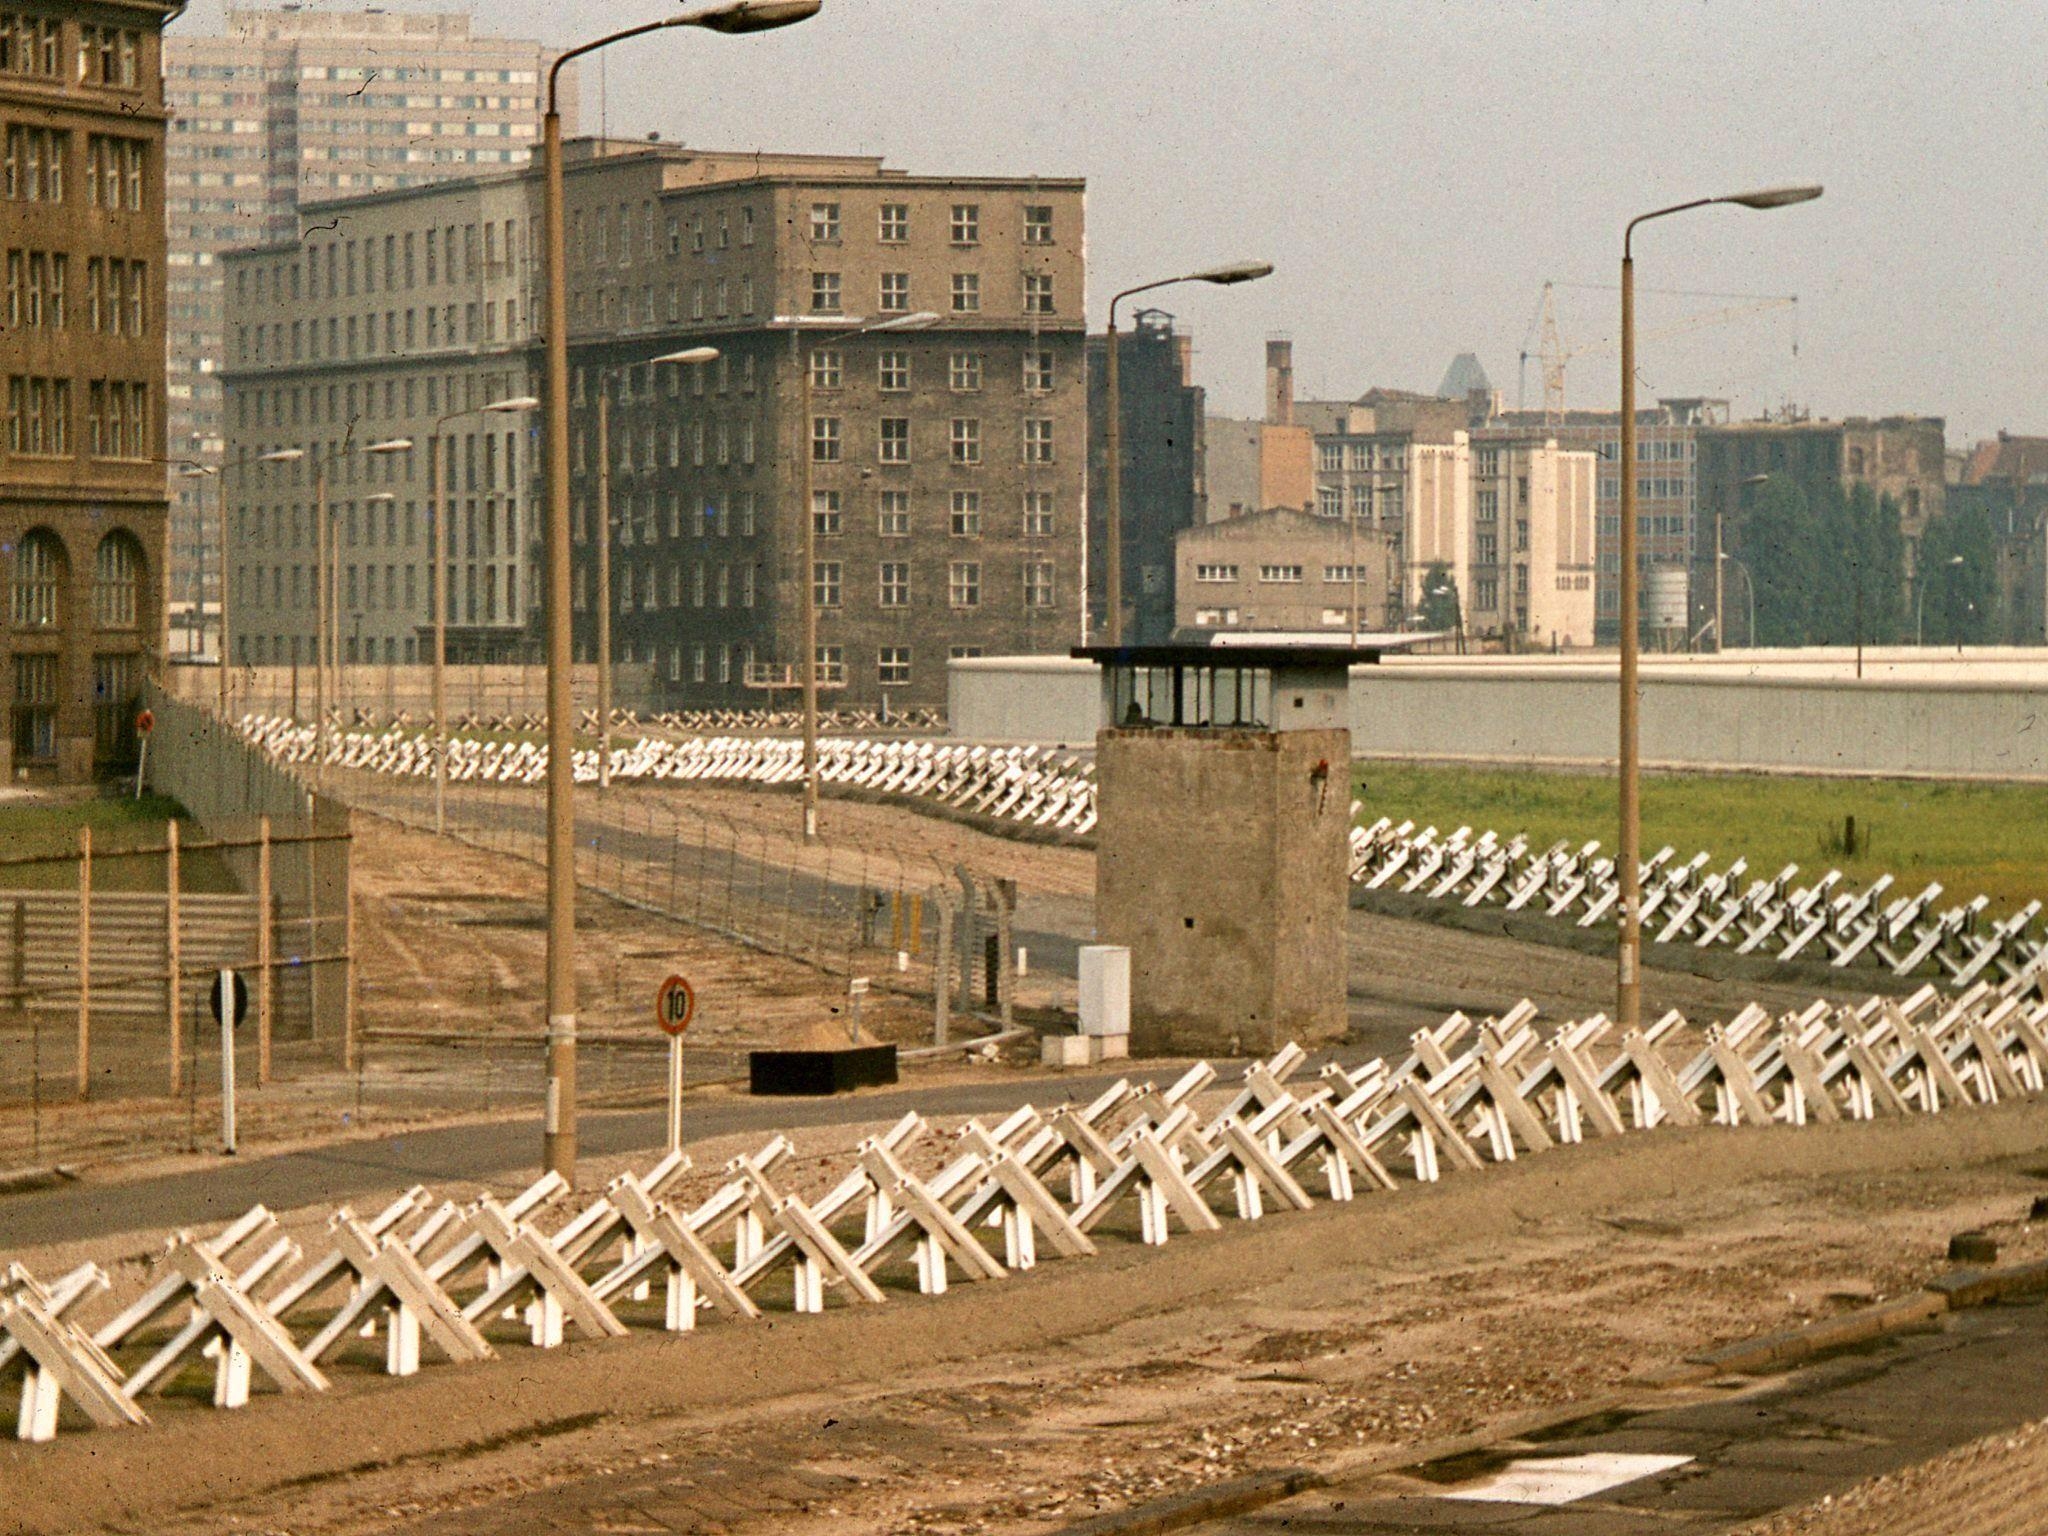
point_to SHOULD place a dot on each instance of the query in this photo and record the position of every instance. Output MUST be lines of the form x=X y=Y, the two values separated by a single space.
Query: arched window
x=38 y=577
x=116 y=581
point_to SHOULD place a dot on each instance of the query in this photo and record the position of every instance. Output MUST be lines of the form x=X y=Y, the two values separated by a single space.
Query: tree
x=1778 y=555
x=1957 y=603
x=1439 y=598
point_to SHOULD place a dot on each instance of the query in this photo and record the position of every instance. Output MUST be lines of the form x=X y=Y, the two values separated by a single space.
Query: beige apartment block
x=82 y=504
x=290 y=106
x=1281 y=570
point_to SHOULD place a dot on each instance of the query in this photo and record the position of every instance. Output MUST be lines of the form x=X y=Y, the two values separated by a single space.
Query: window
x=966 y=523
x=1038 y=585
x=895 y=292
x=825 y=293
x=892 y=371
x=34 y=164
x=1038 y=440
x=1038 y=514
x=829 y=661
x=825 y=513
x=1037 y=224
x=1280 y=573
x=1038 y=375
x=963 y=584
x=966 y=440
x=892 y=666
x=1486 y=593
x=1339 y=573
x=1329 y=457
x=824 y=439
x=893 y=583
x=1037 y=293
x=1329 y=501
x=963 y=372
x=893 y=515
x=39 y=415
x=895 y=444
x=825 y=575
x=895 y=223
x=825 y=368
x=825 y=221
x=38 y=574
x=966 y=293
x=966 y=223
x=1215 y=573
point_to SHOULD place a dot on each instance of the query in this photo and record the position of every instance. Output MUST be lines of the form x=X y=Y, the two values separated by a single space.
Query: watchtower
x=1222 y=840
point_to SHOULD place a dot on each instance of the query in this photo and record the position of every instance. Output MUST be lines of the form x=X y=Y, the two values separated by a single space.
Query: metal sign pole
x=224 y=1005
x=675 y=1093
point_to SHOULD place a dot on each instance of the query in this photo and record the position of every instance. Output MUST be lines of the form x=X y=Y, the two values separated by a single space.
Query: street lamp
x=604 y=553
x=437 y=513
x=842 y=329
x=1113 y=432
x=1920 y=603
x=1721 y=506
x=559 y=1126
x=1628 y=990
x=1749 y=587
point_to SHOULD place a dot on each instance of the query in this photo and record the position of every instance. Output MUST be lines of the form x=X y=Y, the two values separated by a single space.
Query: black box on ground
x=820 y=1072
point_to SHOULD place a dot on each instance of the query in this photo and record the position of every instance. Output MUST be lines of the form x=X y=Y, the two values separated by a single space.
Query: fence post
x=1006 y=954
x=172 y=954
x=263 y=951
x=942 y=962
x=348 y=946
x=84 y=961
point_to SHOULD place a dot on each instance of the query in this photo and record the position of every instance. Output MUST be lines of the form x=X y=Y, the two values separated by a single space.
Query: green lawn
x=32 y=828
x=1973 y=838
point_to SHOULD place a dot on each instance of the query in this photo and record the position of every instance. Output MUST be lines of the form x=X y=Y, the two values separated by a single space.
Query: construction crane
x=1554 y=354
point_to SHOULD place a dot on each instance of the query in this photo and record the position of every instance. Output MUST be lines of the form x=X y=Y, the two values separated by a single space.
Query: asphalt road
x=503 y=1154
x=1807 y=1436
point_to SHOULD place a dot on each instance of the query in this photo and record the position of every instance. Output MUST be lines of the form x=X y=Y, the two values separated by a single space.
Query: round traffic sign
x=228 y=992
x=145 y=722
x=675 y=1005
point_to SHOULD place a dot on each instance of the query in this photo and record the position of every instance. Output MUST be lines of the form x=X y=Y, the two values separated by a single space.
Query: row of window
x=964 y=440
x=735 y=663
x=33 y=161
x=892 y=584
x=606 y=235
x=475 y=593
x=39 y=410
x=345 y=338
x=894 y=298
x=343 y=404
x=1330 y=500
x=35 y=595
x=474 y=530
x=964 y=370
x=38 y=284
x=964 y=228
x=1279 y=573
x=33 y=45
x=892 y=516
x=451 y=255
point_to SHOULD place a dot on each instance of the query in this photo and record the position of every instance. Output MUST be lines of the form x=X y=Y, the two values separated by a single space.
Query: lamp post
x=437 y=513
x=1748 y=586
x=920 y=320
x=558 y=1140
x=1113 y=434
x=604 y=553
x=1628 y=989
x=1920 y=603
x=1720 y=633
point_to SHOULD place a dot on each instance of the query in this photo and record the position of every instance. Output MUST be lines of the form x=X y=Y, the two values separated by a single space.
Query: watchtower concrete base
x=1221 y=862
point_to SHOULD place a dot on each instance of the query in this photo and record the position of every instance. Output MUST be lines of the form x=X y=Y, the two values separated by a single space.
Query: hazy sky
x=1417 y=170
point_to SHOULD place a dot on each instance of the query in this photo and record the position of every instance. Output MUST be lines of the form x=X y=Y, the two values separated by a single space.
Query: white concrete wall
x=1984 y=716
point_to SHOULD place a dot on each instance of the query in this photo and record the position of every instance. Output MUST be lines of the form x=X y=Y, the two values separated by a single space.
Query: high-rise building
x=290 y=106
x=1162 y=489
x=82 y=501
x=941 y=467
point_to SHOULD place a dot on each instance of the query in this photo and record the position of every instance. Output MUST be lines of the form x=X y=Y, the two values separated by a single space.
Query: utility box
x=1223 y=841
x=1105 y=989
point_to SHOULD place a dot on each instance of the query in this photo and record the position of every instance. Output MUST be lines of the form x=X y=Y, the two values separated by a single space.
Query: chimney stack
x=1279 y=381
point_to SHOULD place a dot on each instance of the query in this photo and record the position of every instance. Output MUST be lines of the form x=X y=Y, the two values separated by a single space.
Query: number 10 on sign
x=675 y=1004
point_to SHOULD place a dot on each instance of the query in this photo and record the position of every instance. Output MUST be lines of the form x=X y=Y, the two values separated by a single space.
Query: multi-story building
x=82 y=504
x=943 y=464
x=1286 y=571
x=1667 y=505
x=392 y=316
x=292 y=106
x=2004 y=482
x=1162 y=490
x=1902 y=457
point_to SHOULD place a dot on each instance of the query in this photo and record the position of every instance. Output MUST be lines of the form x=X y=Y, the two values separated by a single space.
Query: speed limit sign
x=674 y=1006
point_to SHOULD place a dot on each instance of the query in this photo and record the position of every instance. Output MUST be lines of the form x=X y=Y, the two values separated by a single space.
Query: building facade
x=82 y=504
x=1163 y=489
x=1283 y=570
x=294 y=106
x=941 y=467
x=395 y=316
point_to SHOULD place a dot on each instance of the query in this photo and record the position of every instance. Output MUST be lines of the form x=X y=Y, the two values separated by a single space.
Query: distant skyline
x=1416 y=170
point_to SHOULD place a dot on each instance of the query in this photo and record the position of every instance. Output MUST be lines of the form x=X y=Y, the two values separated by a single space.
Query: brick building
x=82 y=504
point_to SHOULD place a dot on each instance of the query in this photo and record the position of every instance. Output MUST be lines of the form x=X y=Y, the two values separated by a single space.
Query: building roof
x=1464 y=376
x=2013 y=460
x=1226 y=650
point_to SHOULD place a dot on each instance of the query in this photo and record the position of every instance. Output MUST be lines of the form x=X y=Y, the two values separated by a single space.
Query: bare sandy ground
x=1026 y=1403
x=1997 y=1486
